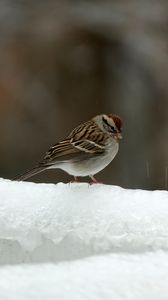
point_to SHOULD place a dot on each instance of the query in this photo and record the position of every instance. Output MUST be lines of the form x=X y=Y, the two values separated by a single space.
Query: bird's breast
x=91 y=164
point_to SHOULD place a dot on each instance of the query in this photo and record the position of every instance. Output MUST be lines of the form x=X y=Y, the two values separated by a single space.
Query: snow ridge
x=110 y=242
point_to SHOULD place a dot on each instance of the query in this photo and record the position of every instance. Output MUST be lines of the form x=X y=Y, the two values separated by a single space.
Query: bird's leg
x=94 y=180
x=76 y=179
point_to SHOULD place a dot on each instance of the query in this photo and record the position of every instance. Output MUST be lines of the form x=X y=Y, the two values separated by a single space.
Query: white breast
x=89 y=166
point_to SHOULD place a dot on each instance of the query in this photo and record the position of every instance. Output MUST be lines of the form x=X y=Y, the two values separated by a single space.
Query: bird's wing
x=85 y=140
x=89 y=138
x=59 y=152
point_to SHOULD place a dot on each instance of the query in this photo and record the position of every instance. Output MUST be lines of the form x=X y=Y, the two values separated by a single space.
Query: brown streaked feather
x=88 y=146
x=30 y=173
x=60 y=152
x=78 y=145
x=91 y=133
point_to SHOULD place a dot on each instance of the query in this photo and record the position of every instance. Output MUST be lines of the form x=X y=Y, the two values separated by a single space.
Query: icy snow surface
x=49 y=223
x=109 y=277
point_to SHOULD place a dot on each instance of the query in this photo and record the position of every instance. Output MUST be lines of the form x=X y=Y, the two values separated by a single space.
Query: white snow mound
x=47 y=222
x=118 y=277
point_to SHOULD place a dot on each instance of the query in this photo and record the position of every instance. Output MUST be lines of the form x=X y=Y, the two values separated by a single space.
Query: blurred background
x=62 y=62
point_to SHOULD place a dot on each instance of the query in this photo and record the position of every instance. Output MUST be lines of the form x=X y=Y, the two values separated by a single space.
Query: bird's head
x=112 y=124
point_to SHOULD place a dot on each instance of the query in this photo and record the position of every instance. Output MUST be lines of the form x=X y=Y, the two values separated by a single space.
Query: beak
x=118 y=136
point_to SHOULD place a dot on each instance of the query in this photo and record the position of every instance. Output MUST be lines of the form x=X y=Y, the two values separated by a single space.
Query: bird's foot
x=94 y=180
x=76 y=179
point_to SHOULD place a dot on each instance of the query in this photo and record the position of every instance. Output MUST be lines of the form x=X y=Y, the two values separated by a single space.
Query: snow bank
x=114 y=276
x=47 y=222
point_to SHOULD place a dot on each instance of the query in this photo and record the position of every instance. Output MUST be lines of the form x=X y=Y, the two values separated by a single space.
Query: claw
x=94 y=180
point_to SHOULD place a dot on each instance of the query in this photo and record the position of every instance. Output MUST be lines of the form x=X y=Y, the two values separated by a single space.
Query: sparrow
x=87 y=150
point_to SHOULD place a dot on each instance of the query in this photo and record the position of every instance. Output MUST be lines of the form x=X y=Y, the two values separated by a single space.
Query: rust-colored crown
x=117 y=120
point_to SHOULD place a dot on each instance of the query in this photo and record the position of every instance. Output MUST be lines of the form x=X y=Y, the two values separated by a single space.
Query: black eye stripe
x=111 y=127
x=105 y=121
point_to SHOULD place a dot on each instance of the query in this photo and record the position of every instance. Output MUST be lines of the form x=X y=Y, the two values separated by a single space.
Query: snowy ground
x=113 y=276
x=111 y=243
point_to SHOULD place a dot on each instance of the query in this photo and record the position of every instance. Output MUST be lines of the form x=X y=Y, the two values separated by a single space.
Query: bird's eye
x=113 y=129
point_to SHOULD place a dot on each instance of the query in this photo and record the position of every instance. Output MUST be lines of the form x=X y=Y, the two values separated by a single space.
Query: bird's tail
x=30 y=173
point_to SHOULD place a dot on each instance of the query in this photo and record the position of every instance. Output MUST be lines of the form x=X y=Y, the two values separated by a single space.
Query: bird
x=87 y=150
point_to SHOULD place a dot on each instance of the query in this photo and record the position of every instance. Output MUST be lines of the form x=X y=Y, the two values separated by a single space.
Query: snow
x=113 y=276
x=90 y=242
